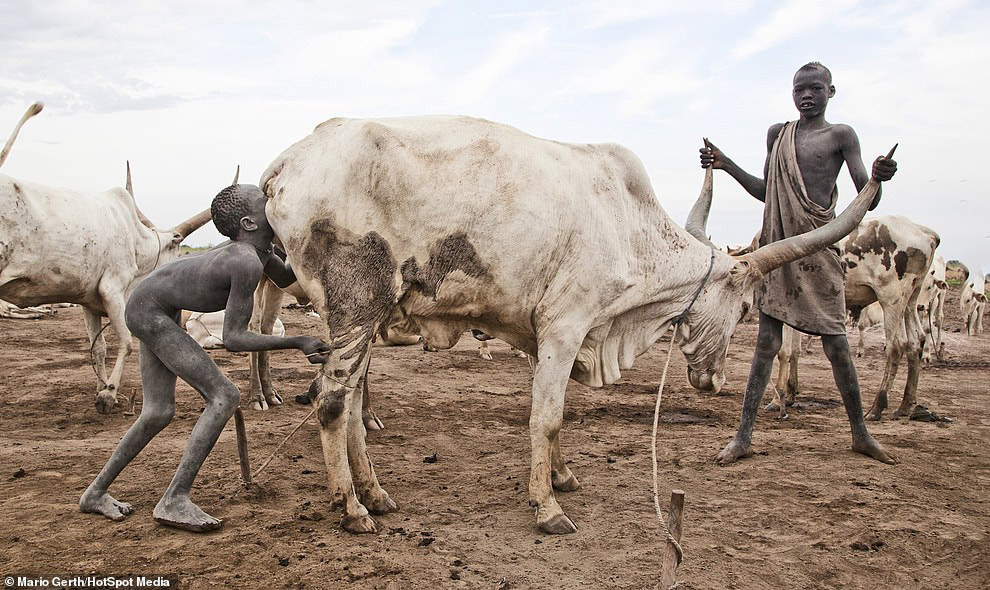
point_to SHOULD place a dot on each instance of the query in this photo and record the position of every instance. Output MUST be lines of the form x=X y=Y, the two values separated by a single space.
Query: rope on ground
x=653 y=449
x=284 y=440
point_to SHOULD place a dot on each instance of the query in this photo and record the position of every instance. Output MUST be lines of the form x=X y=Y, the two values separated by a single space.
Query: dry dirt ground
x=804 y=512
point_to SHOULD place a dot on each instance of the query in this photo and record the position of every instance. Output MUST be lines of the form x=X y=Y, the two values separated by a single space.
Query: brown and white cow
x=886 y=261
x=561 y=250
x=91 y=248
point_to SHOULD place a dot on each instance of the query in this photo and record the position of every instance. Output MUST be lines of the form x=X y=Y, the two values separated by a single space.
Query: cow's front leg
x=549 y=384
x=267 y=304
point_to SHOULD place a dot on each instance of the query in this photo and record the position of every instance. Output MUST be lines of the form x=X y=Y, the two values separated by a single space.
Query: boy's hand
x=712 y=156
x=884 y=169
x=315 y=350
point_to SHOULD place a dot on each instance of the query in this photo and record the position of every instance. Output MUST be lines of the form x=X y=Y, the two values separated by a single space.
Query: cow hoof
x=771 y=407
x=485 y=355
x=371 y=422
x=105 y=401
x=381 y=506
x=874 y=416
x=260 y=405
x=570 y=484
x=274 y=399
x=359 y=525
x=558 y=525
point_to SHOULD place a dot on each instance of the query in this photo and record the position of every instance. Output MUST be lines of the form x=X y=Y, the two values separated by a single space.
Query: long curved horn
x=130 y=190
x=30 y=112
x=788 y=250
x=193 y=223
x=237 y=175
x=698 y=217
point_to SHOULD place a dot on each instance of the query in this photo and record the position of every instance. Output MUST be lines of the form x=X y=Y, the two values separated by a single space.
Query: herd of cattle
x=419 y=229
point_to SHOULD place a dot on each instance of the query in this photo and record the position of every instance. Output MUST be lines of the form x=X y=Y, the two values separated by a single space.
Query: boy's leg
x=837 y=351
x=180 y=353
x=158 y=407
x=767 y=345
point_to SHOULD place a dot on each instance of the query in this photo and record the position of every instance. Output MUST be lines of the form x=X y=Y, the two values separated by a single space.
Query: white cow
x=972 y=300
x=931 y=307
x=561 y=250
x=207 y=328
x=886 y=260
x=90 y=248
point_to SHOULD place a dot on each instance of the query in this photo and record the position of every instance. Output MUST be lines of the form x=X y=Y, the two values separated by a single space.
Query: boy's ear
x=831 y=90
x=248 y=224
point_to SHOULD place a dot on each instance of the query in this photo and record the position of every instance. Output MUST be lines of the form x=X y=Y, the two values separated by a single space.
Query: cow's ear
x=743 y=274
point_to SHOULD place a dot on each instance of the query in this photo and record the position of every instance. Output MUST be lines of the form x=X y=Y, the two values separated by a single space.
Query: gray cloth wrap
x=807 y=294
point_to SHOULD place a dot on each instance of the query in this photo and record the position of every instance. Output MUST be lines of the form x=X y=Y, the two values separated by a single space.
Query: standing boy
x=224 y=277
x=798 y=186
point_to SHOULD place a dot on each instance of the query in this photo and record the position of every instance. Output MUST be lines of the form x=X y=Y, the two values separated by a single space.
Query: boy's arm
x=244 y=277
x=278 y=269
x=883 y=168
x=712 y=156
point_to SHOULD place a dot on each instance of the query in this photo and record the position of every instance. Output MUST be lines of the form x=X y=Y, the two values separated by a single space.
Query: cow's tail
x=30 y=112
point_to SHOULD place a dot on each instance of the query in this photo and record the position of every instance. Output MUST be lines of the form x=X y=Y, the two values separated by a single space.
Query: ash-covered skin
x=822 y=148
x=224 y=277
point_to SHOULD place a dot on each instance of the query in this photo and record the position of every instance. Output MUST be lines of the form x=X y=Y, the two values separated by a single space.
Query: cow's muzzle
x=708 y=382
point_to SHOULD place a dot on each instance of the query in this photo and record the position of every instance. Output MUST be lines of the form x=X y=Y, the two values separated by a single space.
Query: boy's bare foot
x=180 y=512
x=103 y=503
x=733 y=452
x=871 y=448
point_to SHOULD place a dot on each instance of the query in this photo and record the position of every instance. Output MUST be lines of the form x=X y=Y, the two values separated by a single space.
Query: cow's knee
x=331 y=405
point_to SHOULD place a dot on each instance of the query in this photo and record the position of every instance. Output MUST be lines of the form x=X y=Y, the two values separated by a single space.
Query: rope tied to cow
x=675 y=323
x=653 y=449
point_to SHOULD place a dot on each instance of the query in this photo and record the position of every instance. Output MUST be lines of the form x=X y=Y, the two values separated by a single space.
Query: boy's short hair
x=227 y=209
x=815 y=66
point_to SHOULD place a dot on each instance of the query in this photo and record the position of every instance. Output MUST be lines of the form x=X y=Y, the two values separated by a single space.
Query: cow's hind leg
x=358 y=280
x=267 y=304
x=914 y=338
x=97 y=346
x=113 y=302
x=561 y=477
x=896 y=337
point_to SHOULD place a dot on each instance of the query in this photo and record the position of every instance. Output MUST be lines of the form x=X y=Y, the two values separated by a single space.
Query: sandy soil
x=805 y=512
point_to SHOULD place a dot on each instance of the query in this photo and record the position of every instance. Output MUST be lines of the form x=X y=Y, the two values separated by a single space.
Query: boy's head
x=239 y=207
x=812 y=89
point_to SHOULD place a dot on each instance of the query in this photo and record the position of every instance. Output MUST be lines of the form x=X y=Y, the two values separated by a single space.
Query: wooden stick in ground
x=670 y=563
x=242 y=453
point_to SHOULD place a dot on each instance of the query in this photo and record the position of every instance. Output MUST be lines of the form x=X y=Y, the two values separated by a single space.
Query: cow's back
x=884 y=251
x=50 y=238
x=525 y=209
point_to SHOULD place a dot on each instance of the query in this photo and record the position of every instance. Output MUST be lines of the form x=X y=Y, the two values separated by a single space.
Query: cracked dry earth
x=804 y=512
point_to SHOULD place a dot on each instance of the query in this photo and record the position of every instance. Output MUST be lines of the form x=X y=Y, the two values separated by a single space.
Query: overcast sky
x=189 y=89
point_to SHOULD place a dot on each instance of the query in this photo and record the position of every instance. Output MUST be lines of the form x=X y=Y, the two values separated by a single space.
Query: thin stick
x=671 y=557
x=269 y=460
x=242 y=452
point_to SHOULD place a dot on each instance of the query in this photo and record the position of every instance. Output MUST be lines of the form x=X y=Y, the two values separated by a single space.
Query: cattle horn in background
x=788 y=250
x=31 y=111
x=193 y=223
x=237 y=175
x=130 y=190
x=698 y=217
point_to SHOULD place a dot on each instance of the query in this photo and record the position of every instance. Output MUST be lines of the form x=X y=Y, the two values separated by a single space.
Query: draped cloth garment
x=807 y=294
